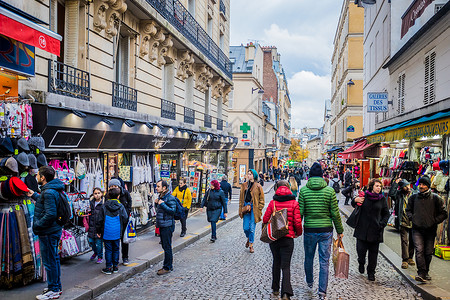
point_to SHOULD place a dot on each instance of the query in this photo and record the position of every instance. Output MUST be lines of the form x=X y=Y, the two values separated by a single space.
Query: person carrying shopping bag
x=283 y=248
x=214 y=201
x=251 y=204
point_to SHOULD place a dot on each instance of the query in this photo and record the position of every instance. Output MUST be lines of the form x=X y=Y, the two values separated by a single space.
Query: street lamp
x=350 y=82
x=261 y=91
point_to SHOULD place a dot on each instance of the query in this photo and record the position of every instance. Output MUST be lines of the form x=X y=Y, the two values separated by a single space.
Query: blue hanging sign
x=16 y=56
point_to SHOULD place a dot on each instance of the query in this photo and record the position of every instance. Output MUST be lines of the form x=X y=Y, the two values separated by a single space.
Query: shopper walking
x=293 y=186
x=214 y=201
x=282 y=248
x=348 y=182
x=400 y=192
x=125 y=200
x=46 y=228
x=227 y=190
x=251 y=204
x=96 y=202
x=425 y=210
x=165 y=210
x=110 y=225
x=183 y=193
x=319 y=210
x=369 y=231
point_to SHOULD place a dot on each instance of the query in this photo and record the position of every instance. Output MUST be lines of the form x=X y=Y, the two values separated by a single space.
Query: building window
x=123 y=59
x=191 y=7
x=430 y=79
x=207 y=102
x=190 y=92
x=401 y=94
x=221 y=41
x=210 y=26
x=168 y=82
x=230 y=100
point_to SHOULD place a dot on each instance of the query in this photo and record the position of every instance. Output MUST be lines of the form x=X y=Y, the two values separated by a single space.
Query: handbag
x=341 y=259
x=277 y=227
x=129 y=235
x=69 y=245
x=353 y=219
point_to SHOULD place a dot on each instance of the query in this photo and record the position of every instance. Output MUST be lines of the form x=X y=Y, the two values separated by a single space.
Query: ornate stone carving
x=107 y=15
x=203 y=76
x=166 y=52
x=148 y=30
x=226 y=91
x=154 y=43
x=185 y=64
x=217 y=87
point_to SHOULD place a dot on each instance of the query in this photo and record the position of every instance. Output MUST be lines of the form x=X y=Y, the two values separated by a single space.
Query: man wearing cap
x=425 y=210
x=125 y=199
x=49 y=232
x=319 y=211
x=400 y=192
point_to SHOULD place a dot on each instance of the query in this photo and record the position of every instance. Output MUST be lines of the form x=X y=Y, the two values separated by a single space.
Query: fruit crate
x=442 y=251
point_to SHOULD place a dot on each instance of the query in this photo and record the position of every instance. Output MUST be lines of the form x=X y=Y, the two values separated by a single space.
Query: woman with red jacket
x=282 y=248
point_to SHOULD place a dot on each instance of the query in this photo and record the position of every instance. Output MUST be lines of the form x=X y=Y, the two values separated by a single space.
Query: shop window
x=430 y=79
x=401 y=94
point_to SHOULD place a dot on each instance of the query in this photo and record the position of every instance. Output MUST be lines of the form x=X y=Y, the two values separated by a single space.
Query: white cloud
x=308 y=93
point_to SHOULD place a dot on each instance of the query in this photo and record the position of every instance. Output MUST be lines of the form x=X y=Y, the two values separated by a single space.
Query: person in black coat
x=214 y=201
x=227 y=190
x=125 y=200
x=96 y=243
x=369 y=231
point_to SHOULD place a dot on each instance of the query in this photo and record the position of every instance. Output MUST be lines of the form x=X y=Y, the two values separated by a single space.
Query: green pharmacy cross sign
x=245 y=128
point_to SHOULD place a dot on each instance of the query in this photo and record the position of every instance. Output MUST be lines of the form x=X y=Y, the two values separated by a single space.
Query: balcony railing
x=222 y=8
x=174 y=12
x=208 y=121
x=220 y=124
x=69 y=81
x=168 y=109
x=124 y=96
x=189 y=115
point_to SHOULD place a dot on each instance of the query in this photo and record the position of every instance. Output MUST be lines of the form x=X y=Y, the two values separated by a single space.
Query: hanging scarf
x=27 y=257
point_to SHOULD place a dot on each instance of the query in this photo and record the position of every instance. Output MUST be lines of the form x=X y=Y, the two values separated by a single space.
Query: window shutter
x=401 y=94
x=429 y=80
x=71 y=32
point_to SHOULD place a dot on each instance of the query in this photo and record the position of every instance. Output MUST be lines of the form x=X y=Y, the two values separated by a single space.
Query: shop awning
x=23 y=30
x=427 y=126
x=335 y=149
x=357 y=150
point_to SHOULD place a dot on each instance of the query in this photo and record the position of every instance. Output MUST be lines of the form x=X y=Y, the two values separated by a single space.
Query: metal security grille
x=168 y=109
x=430 y=79
x=69 y=81
x=124 y=97
x=208 y=121
x=189 y=116
x=401 y=94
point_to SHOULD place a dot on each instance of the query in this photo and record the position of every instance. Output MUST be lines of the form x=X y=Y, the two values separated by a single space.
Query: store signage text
x=412 y=14
x=16 y=56
x=351 y=128
x=377 y=102
x=427 y=130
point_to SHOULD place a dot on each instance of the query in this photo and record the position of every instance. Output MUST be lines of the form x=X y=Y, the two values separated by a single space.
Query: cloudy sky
x=303 y=31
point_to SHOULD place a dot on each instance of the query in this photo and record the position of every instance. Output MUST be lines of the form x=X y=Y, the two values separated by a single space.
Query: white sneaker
x=46 y=290
x=48 y=295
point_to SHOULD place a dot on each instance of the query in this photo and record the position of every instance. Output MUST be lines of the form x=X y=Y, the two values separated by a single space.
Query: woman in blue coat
x=214 y=201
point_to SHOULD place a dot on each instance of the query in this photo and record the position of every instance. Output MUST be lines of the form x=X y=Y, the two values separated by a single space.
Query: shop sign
x=242 y=171
x=377 y=102
x=414 y=11
x=247 y=144
x=351 y=128
x=165 y=174
x=16 y=57
x=245 y=127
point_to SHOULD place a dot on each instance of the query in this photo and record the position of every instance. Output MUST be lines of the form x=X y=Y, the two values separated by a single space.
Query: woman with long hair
x=214 y=201
x=251 y=204
x=283 y=248
x=369 y=230
x=293 y=186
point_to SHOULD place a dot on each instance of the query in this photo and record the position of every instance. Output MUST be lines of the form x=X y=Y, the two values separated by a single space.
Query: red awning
x=357 y=150
x=28 y=32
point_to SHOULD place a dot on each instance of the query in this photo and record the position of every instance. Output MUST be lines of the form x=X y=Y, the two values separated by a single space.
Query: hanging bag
x=99 y=181
x=353 y=219
x=136 y=198
x=69 y=245
x=277 y=227
x=80 y=169
x=129 y=235
x=341 y=259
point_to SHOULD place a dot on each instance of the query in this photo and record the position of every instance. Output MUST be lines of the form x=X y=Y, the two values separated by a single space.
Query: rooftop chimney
x=250 y=51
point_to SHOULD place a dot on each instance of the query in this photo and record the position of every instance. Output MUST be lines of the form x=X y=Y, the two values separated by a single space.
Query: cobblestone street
x=226 y=270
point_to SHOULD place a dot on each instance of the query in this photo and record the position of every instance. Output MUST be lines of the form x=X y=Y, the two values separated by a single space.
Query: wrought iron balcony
x=177 y=15
x=189 y=115
x=208 y=121
x=124 y=97
x=220 y=124
x=168 y=109
x=222 y=8
x=69 y=81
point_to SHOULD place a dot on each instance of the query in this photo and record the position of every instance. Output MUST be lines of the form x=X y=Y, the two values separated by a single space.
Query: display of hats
x=11 y=164
x=37 y=142
x=33 y=161
x=17 y=186
x=22 y=144
x=5 y=189
x=41 y=160
x=22 y=159
x=6 y=145
x=444 y=165
x=436 y=166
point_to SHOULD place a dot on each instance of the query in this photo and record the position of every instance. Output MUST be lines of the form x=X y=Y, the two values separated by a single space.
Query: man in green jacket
x=319 y=211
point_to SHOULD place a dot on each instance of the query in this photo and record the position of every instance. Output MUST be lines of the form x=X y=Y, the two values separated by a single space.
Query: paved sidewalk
x=438 y=288
x=82 y=279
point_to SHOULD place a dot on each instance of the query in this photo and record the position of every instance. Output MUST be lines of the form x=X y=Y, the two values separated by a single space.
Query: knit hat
x=37 y=142
x=255 y=174
x=115 y=182
x=316 y=170
x=425 y=180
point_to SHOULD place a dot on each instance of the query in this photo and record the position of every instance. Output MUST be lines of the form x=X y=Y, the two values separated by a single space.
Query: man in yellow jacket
x=183 y=193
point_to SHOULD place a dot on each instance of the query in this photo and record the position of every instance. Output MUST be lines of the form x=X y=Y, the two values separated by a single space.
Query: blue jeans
x=213 y=229
x=249 y=225
x=323 y=240
x=50 y=259
x=222 y=216
x=166 y=241
x=112 y=252
x=97 y=246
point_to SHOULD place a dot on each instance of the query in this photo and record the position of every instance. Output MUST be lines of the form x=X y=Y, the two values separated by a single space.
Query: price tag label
x=28 y=201
x=17 y=207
